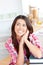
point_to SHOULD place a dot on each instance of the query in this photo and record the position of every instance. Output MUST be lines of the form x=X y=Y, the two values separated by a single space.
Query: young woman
x=22 y=42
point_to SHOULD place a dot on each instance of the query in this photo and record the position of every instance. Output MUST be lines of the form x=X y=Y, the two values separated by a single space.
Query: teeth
x=20 y=31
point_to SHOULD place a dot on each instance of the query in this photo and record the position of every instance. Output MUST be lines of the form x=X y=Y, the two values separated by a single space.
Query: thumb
x=27 y=32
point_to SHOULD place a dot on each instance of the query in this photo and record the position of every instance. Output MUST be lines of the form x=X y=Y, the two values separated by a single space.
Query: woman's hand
x=24 y=37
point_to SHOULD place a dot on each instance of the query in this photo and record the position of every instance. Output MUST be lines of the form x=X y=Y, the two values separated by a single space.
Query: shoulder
x=34 y=39
x=33 y=36
x=9 y=40
x=9 y=44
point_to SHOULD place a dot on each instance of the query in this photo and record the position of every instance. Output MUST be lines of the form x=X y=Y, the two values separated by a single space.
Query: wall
x=35 y=3
x=7 y=6
x=8 y=11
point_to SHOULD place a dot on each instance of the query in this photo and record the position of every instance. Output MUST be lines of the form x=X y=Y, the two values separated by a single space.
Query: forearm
x=34 y=49
x=20 y=59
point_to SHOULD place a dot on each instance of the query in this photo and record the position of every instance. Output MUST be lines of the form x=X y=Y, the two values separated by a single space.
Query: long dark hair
x=14 y=40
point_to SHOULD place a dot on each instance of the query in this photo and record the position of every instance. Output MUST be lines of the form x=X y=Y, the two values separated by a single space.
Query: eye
x=18 y=23
x=24 y=25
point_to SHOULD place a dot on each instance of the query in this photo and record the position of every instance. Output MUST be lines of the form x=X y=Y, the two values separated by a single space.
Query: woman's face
x=20 y=27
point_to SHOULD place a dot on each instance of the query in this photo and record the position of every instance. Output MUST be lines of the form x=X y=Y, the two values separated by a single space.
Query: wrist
x=21 y=44
x=26 y=40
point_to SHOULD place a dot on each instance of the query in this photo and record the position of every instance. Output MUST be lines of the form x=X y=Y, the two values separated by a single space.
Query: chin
x=20 y=35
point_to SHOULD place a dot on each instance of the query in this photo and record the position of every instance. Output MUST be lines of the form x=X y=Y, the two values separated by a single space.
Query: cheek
x=25 y=30
x=15 y=29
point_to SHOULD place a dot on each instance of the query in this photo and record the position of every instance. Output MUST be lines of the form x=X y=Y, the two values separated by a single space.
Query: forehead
x=21 y=21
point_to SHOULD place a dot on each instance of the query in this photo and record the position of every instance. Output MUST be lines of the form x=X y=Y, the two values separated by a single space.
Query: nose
x=21 y=27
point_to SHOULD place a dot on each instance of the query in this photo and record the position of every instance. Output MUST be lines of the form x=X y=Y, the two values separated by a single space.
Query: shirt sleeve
x=34 y=40
x=11 y=50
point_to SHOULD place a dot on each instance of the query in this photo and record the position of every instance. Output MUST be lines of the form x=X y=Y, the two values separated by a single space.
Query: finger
x=27 y=32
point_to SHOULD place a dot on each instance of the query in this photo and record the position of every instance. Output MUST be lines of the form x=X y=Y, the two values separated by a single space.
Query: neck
x=18 y=38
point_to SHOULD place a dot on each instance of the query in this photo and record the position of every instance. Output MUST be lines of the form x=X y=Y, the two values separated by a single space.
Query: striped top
x=33 y=39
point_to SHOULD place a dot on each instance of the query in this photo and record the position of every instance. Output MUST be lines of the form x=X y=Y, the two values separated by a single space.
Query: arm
x=11 y=50
x=34 y=49
x=20 y=58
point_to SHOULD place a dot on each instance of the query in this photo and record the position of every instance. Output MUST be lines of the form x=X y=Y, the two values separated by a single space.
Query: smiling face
x=20 y=27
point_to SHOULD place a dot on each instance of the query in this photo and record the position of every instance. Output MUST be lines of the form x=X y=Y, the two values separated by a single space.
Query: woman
x=23 y=42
